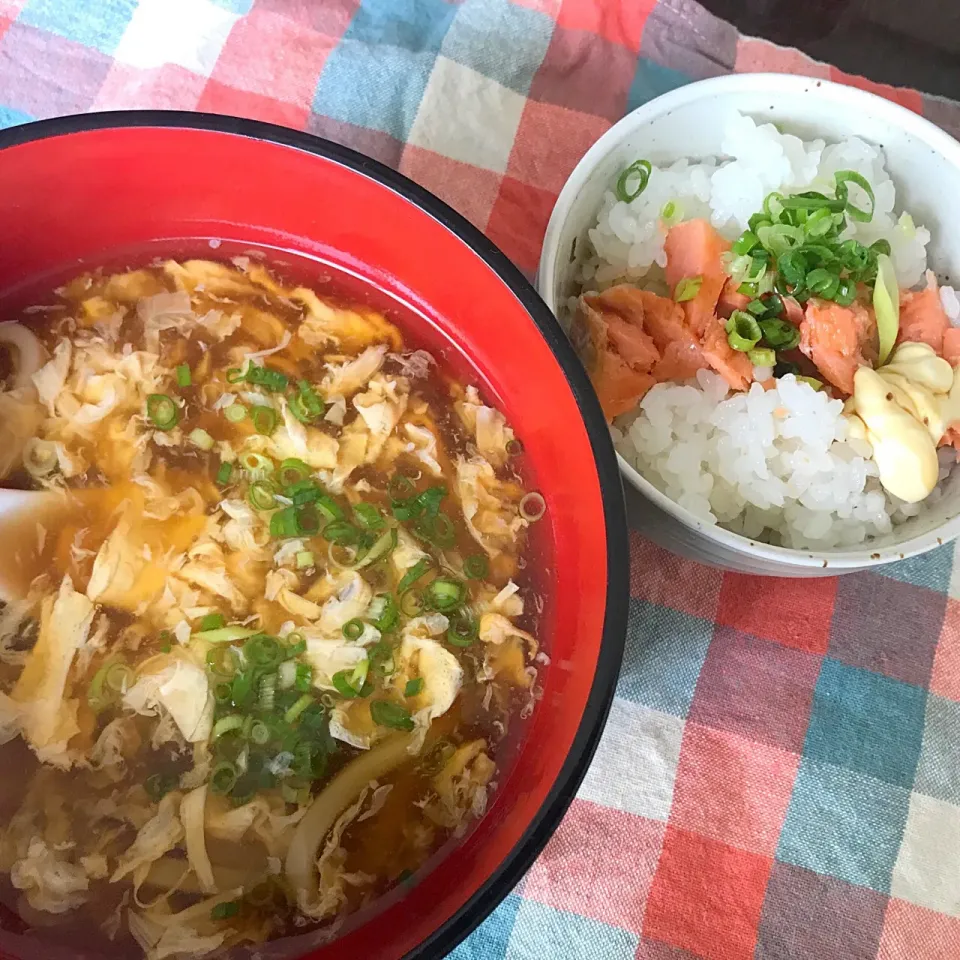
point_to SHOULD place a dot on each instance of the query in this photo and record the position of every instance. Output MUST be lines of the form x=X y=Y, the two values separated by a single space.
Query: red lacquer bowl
x=79 y=192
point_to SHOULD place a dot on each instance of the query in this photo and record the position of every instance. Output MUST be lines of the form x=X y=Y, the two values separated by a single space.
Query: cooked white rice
x=776 y=465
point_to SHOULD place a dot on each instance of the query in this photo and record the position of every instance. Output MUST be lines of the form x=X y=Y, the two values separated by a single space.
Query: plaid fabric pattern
x=780 y=776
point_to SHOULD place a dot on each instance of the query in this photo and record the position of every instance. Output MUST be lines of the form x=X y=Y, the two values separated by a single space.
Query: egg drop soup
x=268 y=627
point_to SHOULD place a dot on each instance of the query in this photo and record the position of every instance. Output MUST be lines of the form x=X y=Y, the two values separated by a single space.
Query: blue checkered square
x=664 y=653
x=844 y=825
x=938 y=773
x=542 y=932
x=651 y=80
x=379 y=88
x=10 y=117
x=411 y=24
x=866 y=722
x=932 y=570
x=489 y=941
x=522 y=40
x=99 y=24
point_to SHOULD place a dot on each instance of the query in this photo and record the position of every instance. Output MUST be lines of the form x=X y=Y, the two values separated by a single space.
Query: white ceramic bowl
x=925 y=165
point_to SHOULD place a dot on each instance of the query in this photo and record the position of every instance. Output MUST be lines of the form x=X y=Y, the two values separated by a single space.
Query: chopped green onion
x=438 y=530
x=223 y=911
x=671 y=213
x=162 y=411
x=235 y=412
x=273 y=380
x=304 y=679
x=399 y=486
x=222 y=661
x=842 y=178
x=268 y=691
x=212 y=621
x=388 y=617
x=413 y=687
x=292 y=471
x=223 y=778
x=532 y=507
x=381 y=659
x=743 y=331
x=779 y=334
x=886 y=305
x=259 y=733
x=200 y=438
x=368 y=516
x=811 y=382
x=235 y=375
x=297 y=644
x=476 y=567
x=308 y=520
x=232 y=721
x=762 y=356
x=846 y=292
x=224 y=473
x=256 y=466
x=183 y=375
x=108 y=684
x=341 y=532
x=294 y=711
x=746 y=242
x=412 y=603
x=241 y=689
x=819 y=223
x=264 y=420
x=306 y=405
x=687 y=289
x=445 y=594
x=823 y=283
x=640 y=169
x=513 y=447
x=262 y=494
x=305 y=559
x=756 y=308
x=414 y=574
x=225 y=634
x=392 y=715
x=263 y=650
x=780 y=238
x=463 y=629
x=382 y=547
x=353 y=629
x=328 y=507
x=342 y=684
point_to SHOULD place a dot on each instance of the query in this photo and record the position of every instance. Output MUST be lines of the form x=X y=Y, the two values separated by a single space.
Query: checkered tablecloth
x=780 y=776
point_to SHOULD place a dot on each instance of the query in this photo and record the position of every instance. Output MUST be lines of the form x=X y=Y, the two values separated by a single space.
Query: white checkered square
x=189 y=33
x=927 y=871
x=636 y=762
x=468 y=117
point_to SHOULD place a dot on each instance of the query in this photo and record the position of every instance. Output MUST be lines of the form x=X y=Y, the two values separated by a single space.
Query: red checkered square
x=612 y=883
x=518 y=221
x=585 y=72
x=331 y=17
x=169 y=87
x=670 y=581
x=945 y=678
x=796 y=613
x=468 y=189
x=219 y=98
x=731 y=789
x=707 y=897
x=618 y=22
x=906 y=98
x=550 y=142
x=758 y=690
x=915 y=933
x=287 y=60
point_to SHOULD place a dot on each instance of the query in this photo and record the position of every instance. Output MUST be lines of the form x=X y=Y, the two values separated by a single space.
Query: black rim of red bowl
x=548 y=817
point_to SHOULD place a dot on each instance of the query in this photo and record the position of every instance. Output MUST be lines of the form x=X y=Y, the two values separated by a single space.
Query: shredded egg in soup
x=265 y=622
